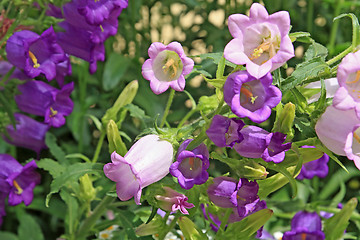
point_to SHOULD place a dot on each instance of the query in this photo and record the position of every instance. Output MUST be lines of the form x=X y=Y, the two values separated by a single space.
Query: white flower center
x=167 y=66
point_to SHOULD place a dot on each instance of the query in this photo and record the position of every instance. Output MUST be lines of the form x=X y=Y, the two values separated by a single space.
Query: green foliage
x=114 y=71
x=29 y=229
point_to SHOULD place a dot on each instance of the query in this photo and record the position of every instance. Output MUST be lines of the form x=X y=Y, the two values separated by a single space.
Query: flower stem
x=168 y=105
x=89 y=222
x=171 y=226
x=340 y=56
x=187 y=116
x=98 y=147
x=224 y=221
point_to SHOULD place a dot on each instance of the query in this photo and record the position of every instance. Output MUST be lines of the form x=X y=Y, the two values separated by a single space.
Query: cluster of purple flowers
x=16 y=182
x=338 y=128
x=87 y=25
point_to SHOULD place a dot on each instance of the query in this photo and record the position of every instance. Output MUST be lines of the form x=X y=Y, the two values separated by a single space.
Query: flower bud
x=114 y=138
x=87 y=190
x=285 y=120
x=172 y=201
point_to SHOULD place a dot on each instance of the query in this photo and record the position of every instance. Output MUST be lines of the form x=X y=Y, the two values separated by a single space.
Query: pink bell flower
x=147 y=161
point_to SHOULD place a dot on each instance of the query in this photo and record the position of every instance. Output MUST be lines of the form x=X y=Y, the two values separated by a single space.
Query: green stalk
x=335 y=26
x=354 y=216
x=89 y=222
x=310 y=14
x=187 y=116
x=171 y=226
x=168 y=105
x=340 y=55
x=98 y=147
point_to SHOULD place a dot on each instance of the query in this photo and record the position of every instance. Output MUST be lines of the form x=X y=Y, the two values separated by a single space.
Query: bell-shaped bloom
x=348 y=95
x=166 y=67
x=251 y=97
x=63 y=69
x=28 y=133
x=21 y=179
x=260 y=143
x=223 y=192
x=77 y=42
x=190 y=166
x=147 y=161
x=96 y=12
x=261 y=41
x=331 y=85
x=314 y=168
x=225 y=132
x=247 y=198
x=305 y=225
x=172 y=201
x=339 y=131
x=35 y=54
x=39 y=98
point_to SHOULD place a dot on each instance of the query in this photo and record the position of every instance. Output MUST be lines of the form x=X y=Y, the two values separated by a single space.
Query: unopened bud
x=114 y=139
x=285 y=120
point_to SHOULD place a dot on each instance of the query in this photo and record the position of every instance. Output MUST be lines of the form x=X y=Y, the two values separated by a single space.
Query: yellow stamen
x=101 y=27
x=303 y=236
x=34 y=60
x=18 y=188
x=105 y=235
x=170 y=64
x=53 y=112
x=356 y=78
x=265 y=46
x=246 y=90
x=357 y=138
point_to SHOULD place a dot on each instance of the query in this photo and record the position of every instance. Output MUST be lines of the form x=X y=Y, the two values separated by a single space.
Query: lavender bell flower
x=166 y=67
x=225 y=132
x=96 y=12
x=247 y=198
x=147 y=161
x=28 y=134
x=41 y=99
x=260 y=143
x=35 y=54
x=21 y=179
x=223 y=192
x=251 y=97
x=261 y=41
x=314 y=168
x=348 y=95
x=190 y=166
x=172 y=201
x=339 y=131
x=305 y=225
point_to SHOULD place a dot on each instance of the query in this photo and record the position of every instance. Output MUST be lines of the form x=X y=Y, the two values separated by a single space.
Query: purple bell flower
x=261 y=41
x=190 y=166
x=147 y=161
x=225 y=132
x=166 y=67
x=28 y=134
x=77 y=42
x=348 y=95
x=247 y=198
x=21 y=179
x=339 y=131
x=41 y=99
x=223 y=192
x=260 y=143
x=35 y=54
x=63 y=69
x=251 y=97
x=96 y=12
x=172 y=201
x=305 y=225
x=314 y=168
x=4 y=193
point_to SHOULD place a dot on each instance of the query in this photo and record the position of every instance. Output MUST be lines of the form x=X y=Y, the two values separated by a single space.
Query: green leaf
x=248 y=226
x=300 y=36
x=300 y=100
x=316 y=50
x=355 y=26
x=137 y=112
x=220 y=68
x=55 y=150
x=127 y=219
x=96 y=121
x=322 y=100
x=8 y=236
x=29 y=229
x=304 y=71
x=5 y=103
x=217 y=82
x=72 y=173
x=115 y=68
x=335 y=226
x=72 y=211
x=54 y=168
x=197 y=70
x=78 y=156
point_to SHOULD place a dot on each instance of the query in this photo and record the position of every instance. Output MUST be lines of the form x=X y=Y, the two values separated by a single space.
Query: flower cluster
x=16 y=182
x=338 y=128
